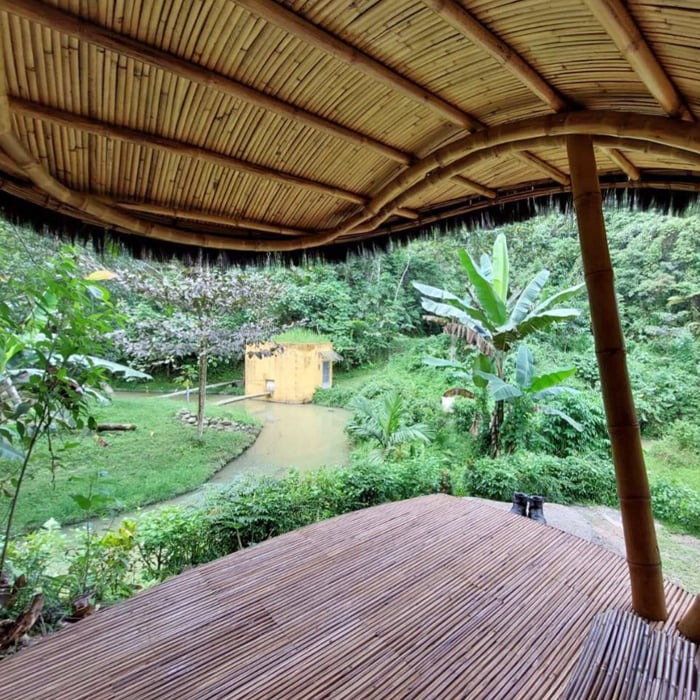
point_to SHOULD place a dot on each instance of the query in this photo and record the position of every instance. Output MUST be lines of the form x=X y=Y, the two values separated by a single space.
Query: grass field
x=667 y=460
x=160 y=459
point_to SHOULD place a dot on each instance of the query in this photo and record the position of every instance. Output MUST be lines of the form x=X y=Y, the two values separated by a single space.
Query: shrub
x=557 y=436
x=171 y=539
x=572 y=479
x=677 y=505
x=685 y=435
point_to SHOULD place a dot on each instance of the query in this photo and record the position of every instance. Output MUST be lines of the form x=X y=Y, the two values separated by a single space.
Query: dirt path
x=680 y=554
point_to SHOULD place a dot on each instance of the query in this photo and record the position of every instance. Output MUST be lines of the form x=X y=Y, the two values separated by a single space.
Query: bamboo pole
x=316 y=36
x=689 y=625
x=617 y=21
x=543 y=166
x=453 y=13
x=632 y=485
x=234 y=399
x=150 y=140
x=59 y=20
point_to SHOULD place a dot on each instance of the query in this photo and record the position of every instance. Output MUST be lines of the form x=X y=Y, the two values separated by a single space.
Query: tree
x=51 y=333
x=384 y=422
x=491 y=321
x=202 y=312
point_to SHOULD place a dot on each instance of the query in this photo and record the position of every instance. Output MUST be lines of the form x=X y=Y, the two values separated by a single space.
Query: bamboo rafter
x=151 y=140
x=48 y=15
x=316 y=36
x=513 y=62
x=617 y=21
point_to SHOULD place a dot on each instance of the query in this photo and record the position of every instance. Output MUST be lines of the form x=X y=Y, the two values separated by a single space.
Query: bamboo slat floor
x=435 y=597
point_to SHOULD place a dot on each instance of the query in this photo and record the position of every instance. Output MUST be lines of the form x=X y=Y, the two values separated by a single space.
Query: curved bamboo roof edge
x=281 y=125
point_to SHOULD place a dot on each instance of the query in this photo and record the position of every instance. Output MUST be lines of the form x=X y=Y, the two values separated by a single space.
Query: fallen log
x=104 y=427
x=12 y=631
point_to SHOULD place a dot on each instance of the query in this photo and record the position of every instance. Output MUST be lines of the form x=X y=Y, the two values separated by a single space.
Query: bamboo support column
x=632 y=485
x=690 y=623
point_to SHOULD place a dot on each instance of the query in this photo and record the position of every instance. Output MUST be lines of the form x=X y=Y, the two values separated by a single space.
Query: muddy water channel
x=300 y=436
x=303 y=436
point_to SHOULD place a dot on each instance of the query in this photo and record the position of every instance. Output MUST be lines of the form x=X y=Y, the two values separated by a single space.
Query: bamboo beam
x=59 y=20
x=632 y=485
x=545 y=167
x=70 y=120
x=516 y=65
x=689 y=625
x=316 y=36
x=682 y=135
x=617 y=21
x=624 y=163
x=193 y=215
x=455 y=15
x=476 y=186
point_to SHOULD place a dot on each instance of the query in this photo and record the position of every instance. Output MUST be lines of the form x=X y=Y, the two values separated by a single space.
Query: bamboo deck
x=436 y=597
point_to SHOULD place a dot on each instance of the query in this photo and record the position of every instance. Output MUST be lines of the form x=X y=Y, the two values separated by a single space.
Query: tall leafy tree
x=52 y=332
x=492 y=320
x=201 y=312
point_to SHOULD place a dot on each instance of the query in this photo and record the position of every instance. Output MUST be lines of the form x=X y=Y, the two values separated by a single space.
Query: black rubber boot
x=536 y=511
x=519 y=503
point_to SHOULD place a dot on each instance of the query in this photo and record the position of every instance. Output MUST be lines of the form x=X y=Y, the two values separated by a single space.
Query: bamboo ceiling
x=261 y=125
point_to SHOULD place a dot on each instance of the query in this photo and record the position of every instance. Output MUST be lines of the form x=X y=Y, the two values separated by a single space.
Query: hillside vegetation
x=174 y=319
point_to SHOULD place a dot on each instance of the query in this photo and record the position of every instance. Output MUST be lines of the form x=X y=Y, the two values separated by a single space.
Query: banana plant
x=492 y=319
x=538 y=387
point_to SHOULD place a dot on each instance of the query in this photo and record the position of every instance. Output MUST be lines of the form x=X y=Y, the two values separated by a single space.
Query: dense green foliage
x=368 y=307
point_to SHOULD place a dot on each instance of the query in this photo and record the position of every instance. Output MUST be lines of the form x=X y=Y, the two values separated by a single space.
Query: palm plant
x=492 y=321
x=384 y=423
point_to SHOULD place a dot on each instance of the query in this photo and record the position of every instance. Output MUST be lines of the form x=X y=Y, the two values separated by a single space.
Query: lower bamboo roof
x=435 y=597
x=263 y=125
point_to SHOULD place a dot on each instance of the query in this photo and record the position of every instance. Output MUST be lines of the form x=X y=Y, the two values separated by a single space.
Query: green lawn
x=159 y=460
x=665 y=460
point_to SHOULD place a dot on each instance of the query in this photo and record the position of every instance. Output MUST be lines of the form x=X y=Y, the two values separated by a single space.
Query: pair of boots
x=531 y=507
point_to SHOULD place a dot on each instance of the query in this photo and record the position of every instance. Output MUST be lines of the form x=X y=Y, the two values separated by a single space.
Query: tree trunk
x=495 y=428
x=202 y=394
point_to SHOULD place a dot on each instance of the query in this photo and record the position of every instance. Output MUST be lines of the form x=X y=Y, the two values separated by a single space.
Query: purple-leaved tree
x=201 y=312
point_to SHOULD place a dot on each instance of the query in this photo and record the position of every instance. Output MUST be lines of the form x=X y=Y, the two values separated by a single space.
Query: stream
x=300 y=436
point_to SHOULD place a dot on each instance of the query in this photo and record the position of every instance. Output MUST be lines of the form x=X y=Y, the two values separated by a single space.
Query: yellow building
x=292 y=372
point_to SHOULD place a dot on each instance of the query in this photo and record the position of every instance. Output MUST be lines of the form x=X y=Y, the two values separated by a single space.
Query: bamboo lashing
x=632 y=485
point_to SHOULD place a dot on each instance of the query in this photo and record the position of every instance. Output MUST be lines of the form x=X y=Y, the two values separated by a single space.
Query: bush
x=93 y=566
x=572 y=479
x=171 y=539
x=677 y=505
x=556 y=436
x=685 y=435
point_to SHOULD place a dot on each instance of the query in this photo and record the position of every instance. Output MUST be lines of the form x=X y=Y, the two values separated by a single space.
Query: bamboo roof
x=262 y=125
x=435 y=597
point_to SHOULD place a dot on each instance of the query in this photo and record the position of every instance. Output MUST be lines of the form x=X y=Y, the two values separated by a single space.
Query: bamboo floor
x=435 y=597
